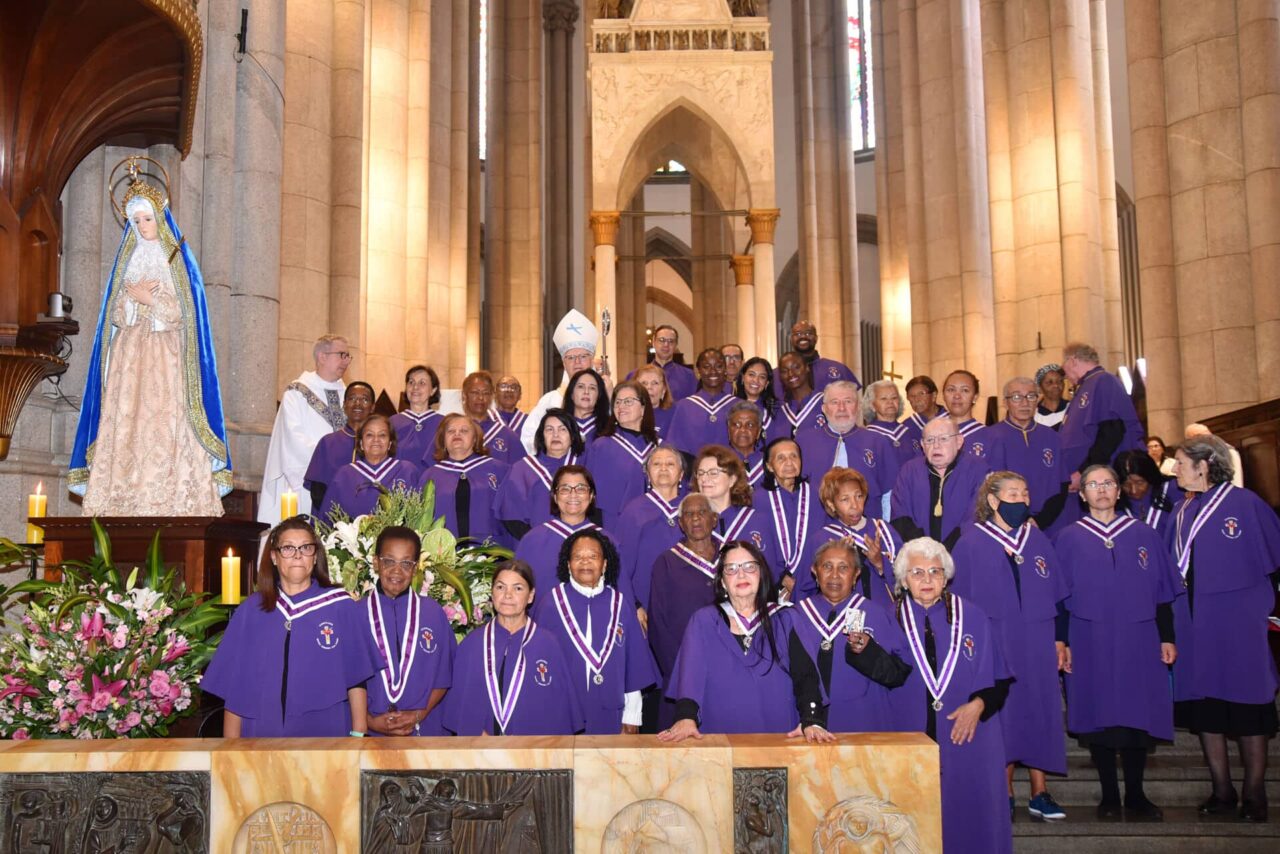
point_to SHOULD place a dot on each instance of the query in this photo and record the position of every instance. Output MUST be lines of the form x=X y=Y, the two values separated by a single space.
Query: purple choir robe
x=793 y=519
x=502 y=442
x=899 y=436
x=736 y=692
x=420 y=644
x=754 y=463
x=1159 y=519
x=620 y=460
x=968 y=429
x=630 y=665
x=1034 y=453
x=773 y=425
x=416 y=436
x=485 y=475
x=650 y=526
x=825 y=372
x=854 y=702
x=975 y=799
x=872 y=585
x=915 y=429
x=587 y=427
x=332 y=453
x=700 y=420
x=1024 y=627
x=1116 y=678
x=681 y=379
x=959 y=494
x=329 y=652
x=755 y=526
x=540 y=548
x=354 y=487
x=682 y=582
x=1221 y=623
x=514 y=419
x=1099 y=397
x=525 y=496
x=543 y=706
x=793 y=418
x=662 y=421
x=868 y=453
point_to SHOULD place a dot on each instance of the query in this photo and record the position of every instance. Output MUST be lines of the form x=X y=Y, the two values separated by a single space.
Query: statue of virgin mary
x=151 y=440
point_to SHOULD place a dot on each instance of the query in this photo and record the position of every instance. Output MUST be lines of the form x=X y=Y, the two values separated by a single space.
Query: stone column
x=559 y=18
x=762 y=222
x=744 y=267
x=1108 y=218
x=348 y=108
x=604 y=230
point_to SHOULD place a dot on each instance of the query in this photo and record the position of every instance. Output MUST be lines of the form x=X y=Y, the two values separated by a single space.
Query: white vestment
x=550 y=400
x=294 y=436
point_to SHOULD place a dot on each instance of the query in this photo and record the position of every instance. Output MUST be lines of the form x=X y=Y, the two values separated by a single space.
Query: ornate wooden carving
x=760 y=810
x=74 y=75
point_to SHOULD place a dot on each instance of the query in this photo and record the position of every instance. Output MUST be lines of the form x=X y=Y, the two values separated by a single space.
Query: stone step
x=1183 y=831
x=1170 y=781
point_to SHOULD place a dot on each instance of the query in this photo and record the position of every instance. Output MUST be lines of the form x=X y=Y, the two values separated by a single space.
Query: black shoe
x=1143 y=810
x=1109 y=811
x=1215 y=806
x=1253 y=810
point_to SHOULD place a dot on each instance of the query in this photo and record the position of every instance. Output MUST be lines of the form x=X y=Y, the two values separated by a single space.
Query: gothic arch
x=659 y=243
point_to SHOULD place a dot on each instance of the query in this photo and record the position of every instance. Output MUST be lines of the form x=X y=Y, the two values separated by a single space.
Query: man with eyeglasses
x=935 y=495
x=680 y=378
x=733 y=360
x=507 y=399
x=804 y=340
x=1021 y=444
x=576 y=338
x=839 y=442
x=310 y=409
x=477 y=403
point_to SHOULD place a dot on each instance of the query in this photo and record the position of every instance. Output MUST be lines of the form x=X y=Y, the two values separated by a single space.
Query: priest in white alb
x=576 y=338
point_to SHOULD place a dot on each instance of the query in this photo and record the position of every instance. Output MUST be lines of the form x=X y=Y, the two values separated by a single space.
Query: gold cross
x=890 y=375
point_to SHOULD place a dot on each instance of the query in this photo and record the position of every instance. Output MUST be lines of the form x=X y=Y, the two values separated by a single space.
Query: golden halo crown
x=139 y=188
x=135 y=165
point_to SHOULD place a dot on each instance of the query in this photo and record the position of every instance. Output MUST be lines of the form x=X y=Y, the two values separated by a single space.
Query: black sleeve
x=1062 y=624
x=907 y=528
x=1164 y=622
x=686 y=708
x=992 y=698
x=1110 y=432
x=317 y=491
x=516 y=528
x=1052 y=508
x=878 y=664
x=1275 y=579
x=805 y=682
x=952 y=538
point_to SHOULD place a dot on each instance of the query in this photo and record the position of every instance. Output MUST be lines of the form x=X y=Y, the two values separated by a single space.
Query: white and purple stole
x=376 y=474
x=894 y=436
x=734 y=528
x=936 y=685
x=712 y=409
x=795 y=419
x=637 y=454
x=504 y=709
x=879 y=528
x=541 y=471
x=586 y=426
x=668 y=511
x=1109 y=532
x=595 y=661
x=791 y=542
x=395 y=678
x=695 y=560
x=828 y=632
x=291 y=612
x=1185 y=536
x=565 y=531
x=1013 y=542
x=514 y=420
x=970 y=427
x=420 y=420
x=464 y=467
x=747 y=625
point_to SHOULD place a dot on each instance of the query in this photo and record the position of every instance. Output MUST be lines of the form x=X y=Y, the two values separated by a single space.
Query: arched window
x=860 y=83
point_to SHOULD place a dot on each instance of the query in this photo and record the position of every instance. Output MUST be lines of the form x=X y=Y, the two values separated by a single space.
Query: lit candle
x=37 y=508
x=231 y=579
x=289 y=505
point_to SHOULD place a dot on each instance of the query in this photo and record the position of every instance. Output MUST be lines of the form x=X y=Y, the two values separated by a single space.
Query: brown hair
x=269 y=576
x=647 y=428
x=665 y=402
x=477 y=440
x=992 y=486
x=834 y=481
x=520 y=568
x=391 y=449
x=727 y=459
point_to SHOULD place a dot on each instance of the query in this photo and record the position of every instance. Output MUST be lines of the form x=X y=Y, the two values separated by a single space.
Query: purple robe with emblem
x=1099 y=397
x=796 y=417
x=1034 y=453
x=525 y=496
x=681 y=379
x=755 y=526
x=855 y=703
x=1221 y=623
x=544 y=706
x=700 y=420
x=868 y=453
x=662 y=421
x=630 y=665
x=1116 y=678
x=736 y=691
x=975 y=799
x=825 y=372
x=791 y=533
x=416 y=436
x=959 y=494
x=502 y=442
x=540 y=548
x=514 y=419
x=485 y=476
x=754 y=463
x=969 y=428
x=1160 y=518
x=650 y=526
x=1023 y=624
x=354 y=487
x=871 y=584
x=430 y=665
x=620 y=460
x=329 y=652
x=332 y=452
x=680 y=585
x=586 y=426
x=915 y=430
x=899 y=436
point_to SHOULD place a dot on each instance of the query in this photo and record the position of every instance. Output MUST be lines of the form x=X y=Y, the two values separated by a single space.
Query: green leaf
x=30 y=586
x=455 y=581
x=71 y=602
x=101 y=542
x=133 y=579
x=155 y=563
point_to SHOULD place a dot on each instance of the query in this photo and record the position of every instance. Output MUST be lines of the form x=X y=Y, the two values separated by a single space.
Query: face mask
x=1014 y=513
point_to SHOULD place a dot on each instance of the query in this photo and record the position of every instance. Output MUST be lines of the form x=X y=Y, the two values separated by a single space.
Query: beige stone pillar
x=348 y=108
x=604 y=230
x=1108 y=218
x=763 y=222
x=744 y=267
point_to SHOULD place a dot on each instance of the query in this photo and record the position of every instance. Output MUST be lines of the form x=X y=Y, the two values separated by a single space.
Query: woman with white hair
x=1226 y=547
x=956 y=687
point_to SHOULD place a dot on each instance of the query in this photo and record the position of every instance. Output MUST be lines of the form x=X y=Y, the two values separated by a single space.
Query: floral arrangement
x=102 y=654
x=456 y=573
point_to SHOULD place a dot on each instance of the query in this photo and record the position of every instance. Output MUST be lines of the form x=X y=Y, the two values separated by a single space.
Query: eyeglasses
x=730 y=357
x=626 y=401
x=390 y=563
x=573 y=489
x=750 y=567
x=919 y=572
x=1100 y=484
x=938 y=440
x=306 y=550
x=709 y=474
x=341 y=354
x=1030 y=397
x=664 y=341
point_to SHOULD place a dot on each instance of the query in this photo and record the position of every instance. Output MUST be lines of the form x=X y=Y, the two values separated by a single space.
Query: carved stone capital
x=559 y=15
x=762 y=222
x=604 y=225
x=744 y=270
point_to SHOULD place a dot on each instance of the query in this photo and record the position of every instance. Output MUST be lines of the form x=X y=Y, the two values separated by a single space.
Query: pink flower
x=83 y=708
x=131 y=720
x=104 y=693
x=90 y=627
x=21 y=734
x=16 y=688
x=121 y=637
x=177 y=648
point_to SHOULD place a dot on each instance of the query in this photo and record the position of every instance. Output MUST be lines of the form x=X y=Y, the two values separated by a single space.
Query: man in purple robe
x=477 y=401
x=934 y=495
x=680 y=378
x=839 y=442
x=804 y=340
x=1034 y=451
x=1100 y=420
x=339 y=447
x=700 y=418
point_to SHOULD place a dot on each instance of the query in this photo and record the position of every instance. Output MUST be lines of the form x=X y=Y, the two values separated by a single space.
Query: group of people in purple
x=783 y=553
